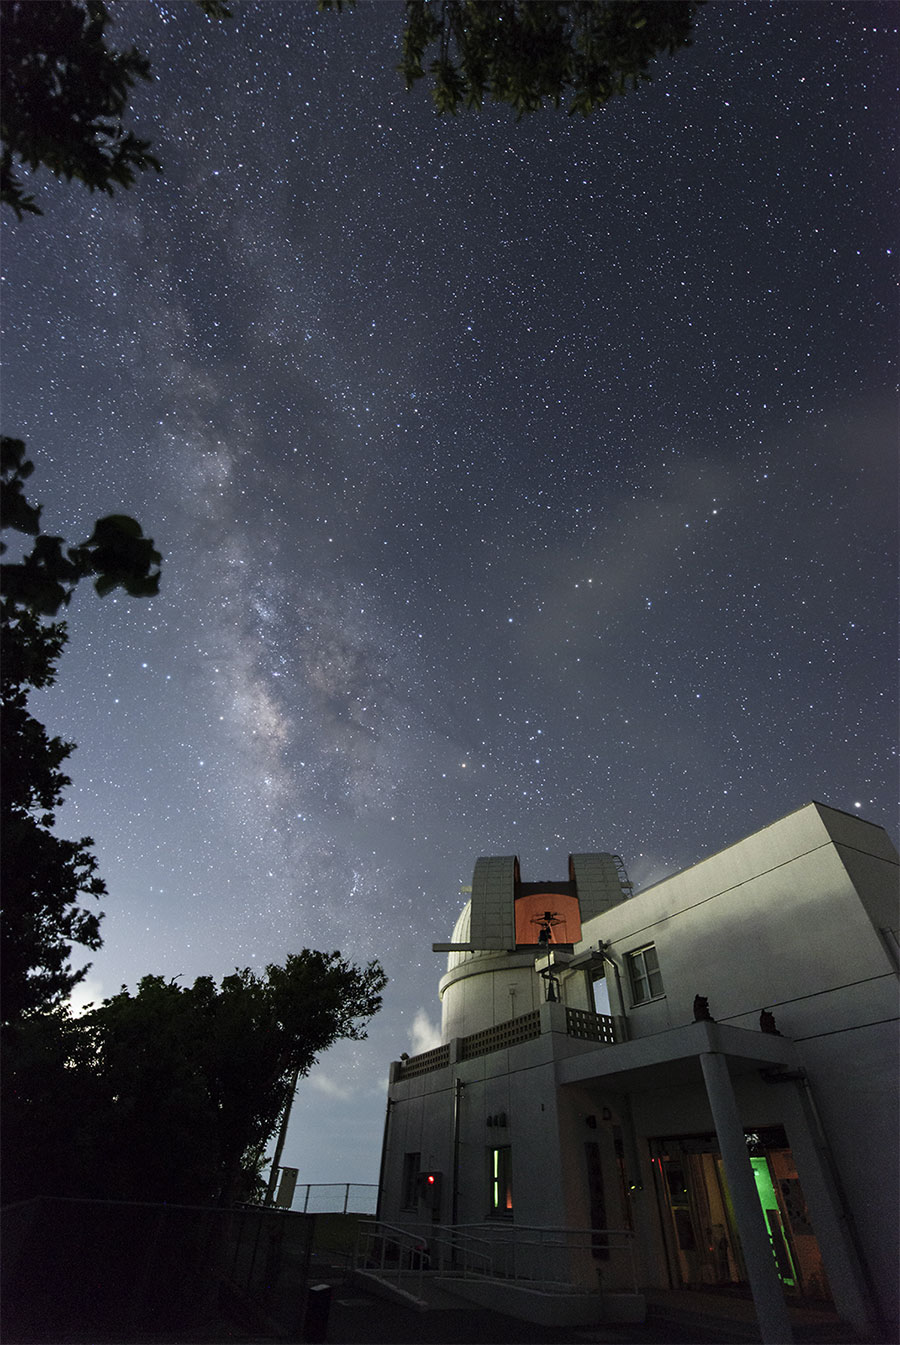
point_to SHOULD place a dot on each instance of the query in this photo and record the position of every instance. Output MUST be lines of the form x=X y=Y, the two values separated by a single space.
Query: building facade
x=694 y=1087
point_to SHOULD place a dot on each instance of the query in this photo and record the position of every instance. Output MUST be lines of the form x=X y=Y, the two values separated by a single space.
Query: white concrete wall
x=773 y=922
x=790 y=920
x=768 y=923
x=488 y=989
x=485 y=989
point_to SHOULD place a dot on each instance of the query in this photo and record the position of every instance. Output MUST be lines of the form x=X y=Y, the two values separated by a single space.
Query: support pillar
x=854 y=1295
x=768 y=1295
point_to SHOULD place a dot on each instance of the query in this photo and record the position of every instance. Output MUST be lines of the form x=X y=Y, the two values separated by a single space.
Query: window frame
x=640 y=975
x=500 y=1179
x=409 y=1188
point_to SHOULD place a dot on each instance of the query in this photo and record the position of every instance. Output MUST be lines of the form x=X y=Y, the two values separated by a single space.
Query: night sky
x=523 y=488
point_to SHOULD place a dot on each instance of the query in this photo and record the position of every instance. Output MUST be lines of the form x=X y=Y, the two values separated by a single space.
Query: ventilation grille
x=589 y=1026
x=427 y=1061
x=580 y=1023
x=495 y=1038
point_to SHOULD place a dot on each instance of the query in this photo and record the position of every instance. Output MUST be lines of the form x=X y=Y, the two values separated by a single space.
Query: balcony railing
x=581 y=1024
x=589 y=1026
x=427 y=1061
x=524 y=1028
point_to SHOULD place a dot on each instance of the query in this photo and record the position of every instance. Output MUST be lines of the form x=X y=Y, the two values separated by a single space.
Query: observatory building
x=693 y=1088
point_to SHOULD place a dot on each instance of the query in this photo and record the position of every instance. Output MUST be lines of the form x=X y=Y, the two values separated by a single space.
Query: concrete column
x=843 y=1266
x=768 y=1295
x=553 y=1017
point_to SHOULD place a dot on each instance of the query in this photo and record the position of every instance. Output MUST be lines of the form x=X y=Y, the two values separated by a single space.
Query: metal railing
x=335 y=1197
x=399 y=1256
x=553 y=1260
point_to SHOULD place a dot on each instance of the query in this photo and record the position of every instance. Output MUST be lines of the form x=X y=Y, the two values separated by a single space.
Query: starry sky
x=523 y=488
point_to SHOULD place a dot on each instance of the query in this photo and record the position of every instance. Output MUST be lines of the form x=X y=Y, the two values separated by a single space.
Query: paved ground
x=359 y=1320
x=358 y=1317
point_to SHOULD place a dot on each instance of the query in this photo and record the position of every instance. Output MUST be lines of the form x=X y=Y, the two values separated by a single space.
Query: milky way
x=523 y=488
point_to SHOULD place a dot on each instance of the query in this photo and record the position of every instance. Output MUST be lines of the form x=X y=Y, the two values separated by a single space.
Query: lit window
x=646 y=981
x=501 y=1180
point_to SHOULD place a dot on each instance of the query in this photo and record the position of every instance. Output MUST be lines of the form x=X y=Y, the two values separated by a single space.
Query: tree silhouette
x=530 y=52
x=44 y=878
x=63 y=96
x=171 y=1093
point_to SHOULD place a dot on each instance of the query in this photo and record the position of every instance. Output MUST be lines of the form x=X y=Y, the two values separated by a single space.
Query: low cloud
x=322 y=1083
x=423 y=1035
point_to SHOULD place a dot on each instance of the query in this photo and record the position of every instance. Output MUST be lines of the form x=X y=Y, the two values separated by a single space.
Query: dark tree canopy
x=530 y=52
x=173 y=1092
x=45 y=878
x=116 y=555
x=63 y=93
x=63 y=96
x=169 y=1093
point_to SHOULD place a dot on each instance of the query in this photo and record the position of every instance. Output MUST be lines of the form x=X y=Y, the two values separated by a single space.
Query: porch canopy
x=709 y=1054
x=672 y=1058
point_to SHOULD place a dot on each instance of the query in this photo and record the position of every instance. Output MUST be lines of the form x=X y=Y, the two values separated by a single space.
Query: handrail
x=513 y=1249
x=374 y=1251
x=454 y=1239
x=544 y=1256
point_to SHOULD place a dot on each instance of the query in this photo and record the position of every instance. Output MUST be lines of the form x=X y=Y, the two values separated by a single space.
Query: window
x=646 y=981
x=600 y=991
x=409 y=1188
x=599 y=1240
x=500 y=1169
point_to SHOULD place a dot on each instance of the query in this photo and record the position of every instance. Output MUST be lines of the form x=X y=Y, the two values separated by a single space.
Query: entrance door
x=698 y=1219
x=774 y=1222
x=703 y=1247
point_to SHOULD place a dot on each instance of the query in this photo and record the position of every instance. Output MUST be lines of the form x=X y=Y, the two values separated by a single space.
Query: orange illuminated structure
x=554 y=914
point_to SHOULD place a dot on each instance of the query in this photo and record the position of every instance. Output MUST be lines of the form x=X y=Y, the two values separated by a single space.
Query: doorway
x=702 y=1242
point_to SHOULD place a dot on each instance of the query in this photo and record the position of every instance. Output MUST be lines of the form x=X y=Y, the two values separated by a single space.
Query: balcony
x=597 y=1029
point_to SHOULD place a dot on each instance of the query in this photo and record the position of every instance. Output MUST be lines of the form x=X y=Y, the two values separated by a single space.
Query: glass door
x=699 y=1225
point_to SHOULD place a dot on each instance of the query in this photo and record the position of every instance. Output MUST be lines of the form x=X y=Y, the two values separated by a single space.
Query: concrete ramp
x=549 y=1307
x=423 y=1293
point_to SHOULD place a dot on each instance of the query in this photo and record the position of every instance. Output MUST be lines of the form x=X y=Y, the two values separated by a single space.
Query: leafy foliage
x=117 y=553
x=168 y=1093
x=44 y=877
x=173 y=1092
x=528 y=52
x=64 y=94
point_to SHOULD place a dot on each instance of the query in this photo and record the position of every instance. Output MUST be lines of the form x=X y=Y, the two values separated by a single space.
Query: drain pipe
x=457 y=1097
x=621 y=1019
x=381 y=1165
